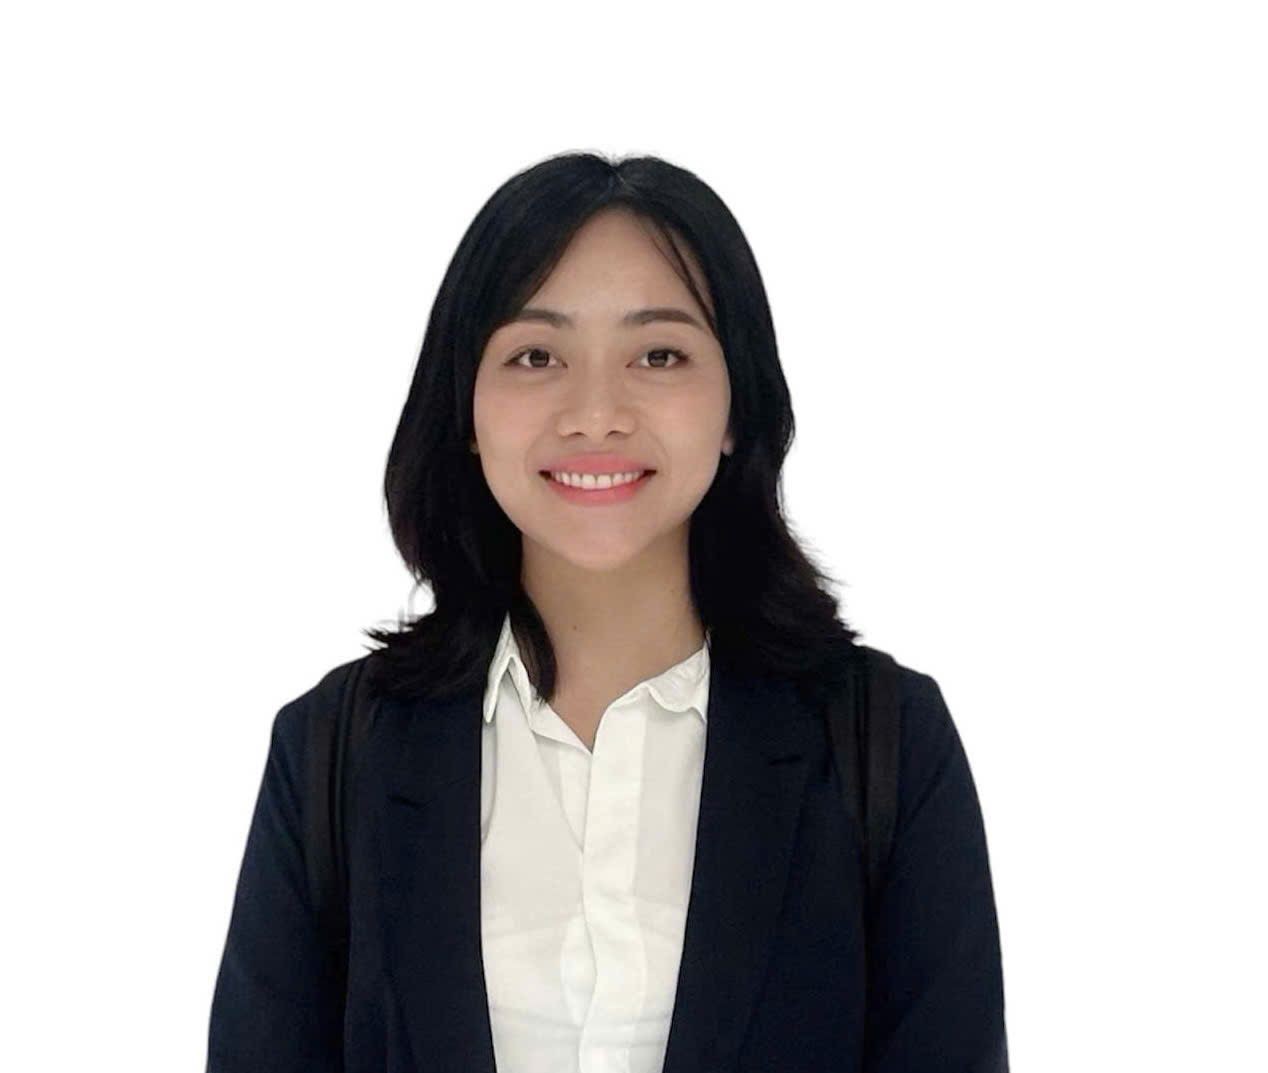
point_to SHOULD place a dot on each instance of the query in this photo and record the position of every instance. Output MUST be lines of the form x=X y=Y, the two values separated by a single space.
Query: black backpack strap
x=334 y=739
x=863 y=723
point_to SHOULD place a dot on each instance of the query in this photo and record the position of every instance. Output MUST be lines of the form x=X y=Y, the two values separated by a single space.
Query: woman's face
x=656 y=392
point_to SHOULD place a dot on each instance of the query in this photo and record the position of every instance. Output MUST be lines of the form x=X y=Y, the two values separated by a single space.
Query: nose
x=596 y=402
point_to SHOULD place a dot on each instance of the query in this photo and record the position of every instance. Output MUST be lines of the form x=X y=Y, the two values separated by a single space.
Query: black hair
x=756 y=591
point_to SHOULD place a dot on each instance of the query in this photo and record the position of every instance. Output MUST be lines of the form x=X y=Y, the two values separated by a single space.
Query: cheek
x=484 y=403
x=710 y=398
x=501 y=417
x=696 y=422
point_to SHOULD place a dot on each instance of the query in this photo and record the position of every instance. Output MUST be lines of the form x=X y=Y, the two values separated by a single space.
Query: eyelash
x=655 y=350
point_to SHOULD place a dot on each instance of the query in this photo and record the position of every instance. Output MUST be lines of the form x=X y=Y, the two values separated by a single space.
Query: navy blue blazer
x=771 y=977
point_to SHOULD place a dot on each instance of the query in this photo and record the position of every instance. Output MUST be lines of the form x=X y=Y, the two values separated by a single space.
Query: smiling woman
x=596 y=309
x=594 y=819
x=611 y=302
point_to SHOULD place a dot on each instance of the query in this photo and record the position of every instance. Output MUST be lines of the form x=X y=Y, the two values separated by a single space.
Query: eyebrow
x=632 y=319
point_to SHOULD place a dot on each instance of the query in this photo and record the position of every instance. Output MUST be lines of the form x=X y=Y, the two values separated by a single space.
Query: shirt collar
x=682 y=687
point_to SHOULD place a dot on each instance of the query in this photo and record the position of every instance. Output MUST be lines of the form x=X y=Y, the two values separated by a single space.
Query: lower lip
x=599 y=496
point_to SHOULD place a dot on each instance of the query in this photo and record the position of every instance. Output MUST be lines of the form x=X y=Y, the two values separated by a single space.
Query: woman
x=596 y=824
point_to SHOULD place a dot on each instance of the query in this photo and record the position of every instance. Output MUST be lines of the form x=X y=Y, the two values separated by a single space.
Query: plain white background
x=1016 y=258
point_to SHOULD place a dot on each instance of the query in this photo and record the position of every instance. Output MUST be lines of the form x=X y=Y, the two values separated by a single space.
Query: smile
x=598 y=489
x=597 y=480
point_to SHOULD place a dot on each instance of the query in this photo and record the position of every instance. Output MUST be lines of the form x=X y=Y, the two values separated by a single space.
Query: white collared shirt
x=585 y=868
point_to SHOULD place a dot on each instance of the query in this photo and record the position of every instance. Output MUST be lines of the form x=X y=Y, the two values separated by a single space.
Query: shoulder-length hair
x=757 y=593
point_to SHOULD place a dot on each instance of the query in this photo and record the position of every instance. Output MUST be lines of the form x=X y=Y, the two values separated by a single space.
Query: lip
x=599 y=497
x=595 y=462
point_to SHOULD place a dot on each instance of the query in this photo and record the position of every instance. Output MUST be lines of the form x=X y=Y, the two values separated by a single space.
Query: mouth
x=599 y=495
x=641 y=474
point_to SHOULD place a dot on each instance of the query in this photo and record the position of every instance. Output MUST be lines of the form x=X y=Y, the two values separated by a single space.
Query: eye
x=514 y=360
x=667 y=350
x=529 y=350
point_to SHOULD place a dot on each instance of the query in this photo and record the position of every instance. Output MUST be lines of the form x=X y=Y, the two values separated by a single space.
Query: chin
x=600 y=560
x=598 y=554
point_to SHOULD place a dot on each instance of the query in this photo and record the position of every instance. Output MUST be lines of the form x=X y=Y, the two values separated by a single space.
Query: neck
x=611 y=629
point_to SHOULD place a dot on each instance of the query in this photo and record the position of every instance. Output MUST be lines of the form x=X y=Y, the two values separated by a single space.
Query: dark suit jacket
x=771 y=976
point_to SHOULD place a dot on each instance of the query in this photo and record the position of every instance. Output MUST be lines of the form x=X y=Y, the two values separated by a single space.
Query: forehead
x=619 y=258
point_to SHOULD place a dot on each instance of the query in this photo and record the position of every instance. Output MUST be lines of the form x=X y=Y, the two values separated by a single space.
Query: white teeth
x=592 y=481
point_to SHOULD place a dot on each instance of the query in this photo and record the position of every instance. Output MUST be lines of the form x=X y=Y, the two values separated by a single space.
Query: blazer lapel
x=758 y=741
x=430 y=882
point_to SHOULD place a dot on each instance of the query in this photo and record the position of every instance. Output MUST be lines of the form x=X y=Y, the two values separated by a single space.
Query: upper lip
x=596 y=463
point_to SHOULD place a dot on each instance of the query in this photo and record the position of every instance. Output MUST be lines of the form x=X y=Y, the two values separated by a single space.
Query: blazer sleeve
x=935 y=987
x=275 y=1006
